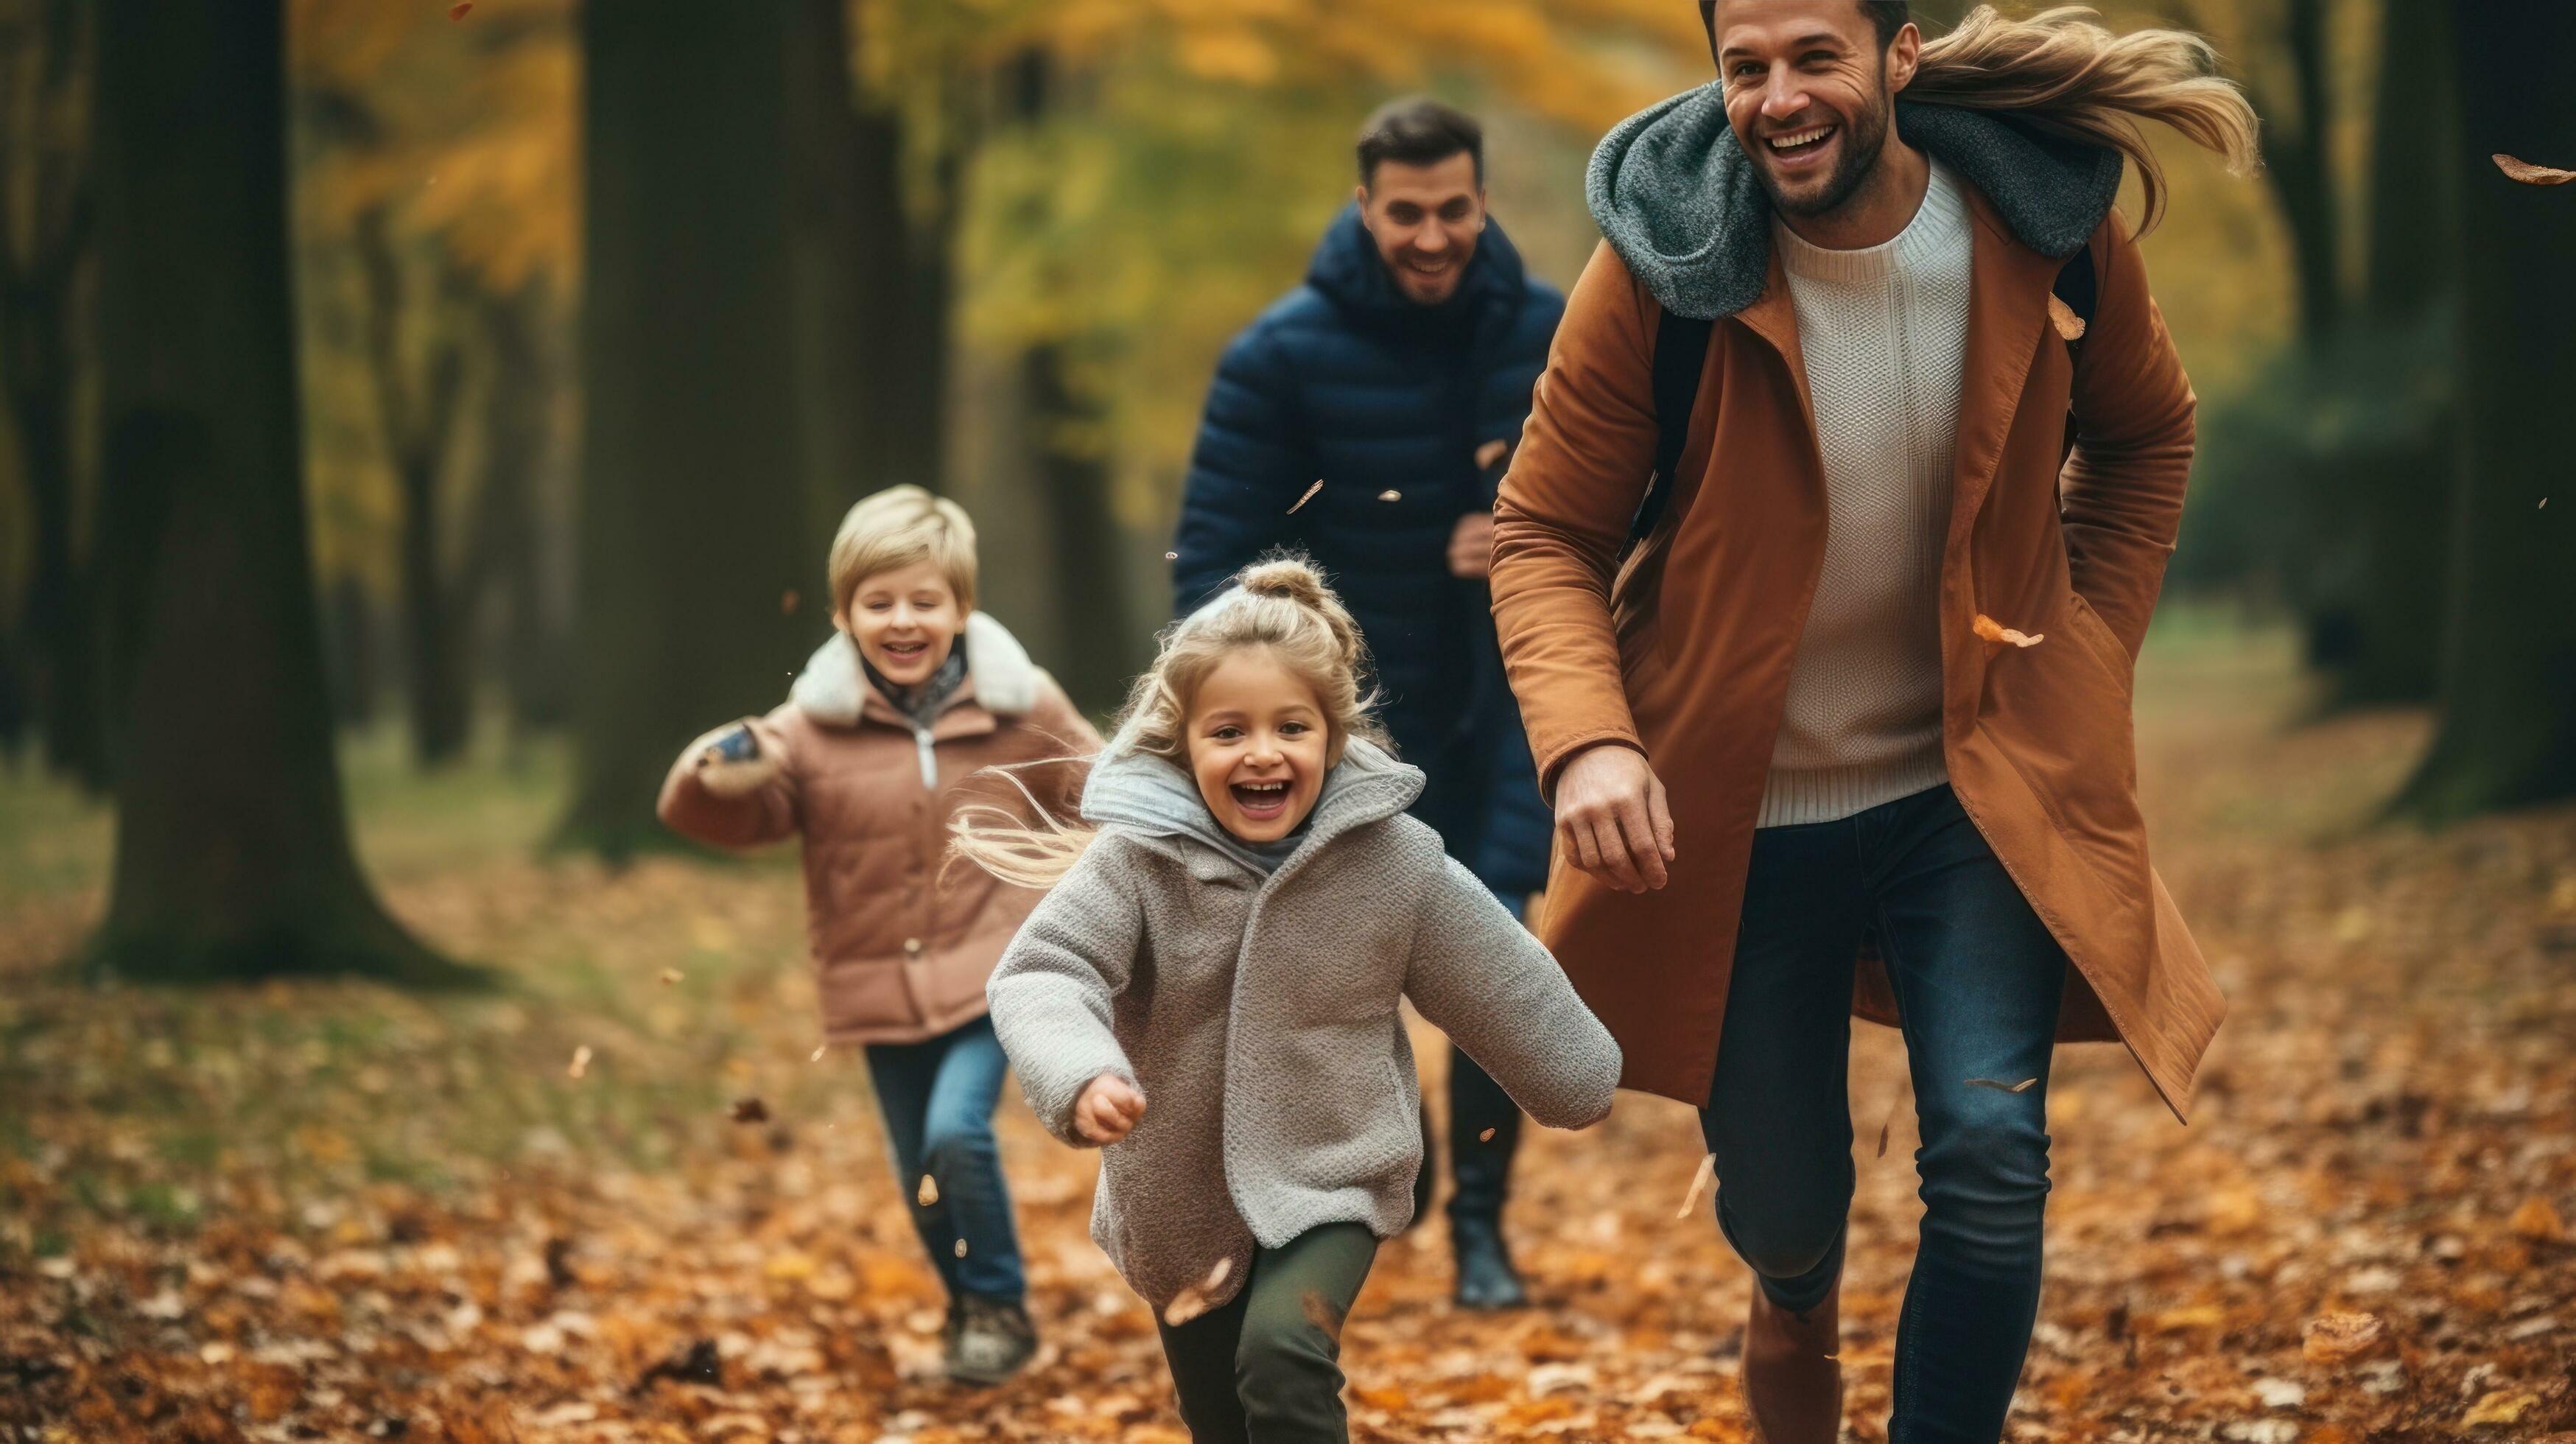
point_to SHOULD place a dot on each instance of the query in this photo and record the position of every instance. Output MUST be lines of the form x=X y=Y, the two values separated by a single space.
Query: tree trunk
x=1102 y=651
x=693 y=508
x=416 y=422
x=2300 y=166
x=232 y=850
x=906 y=292
x=46 y=225
x=2414 y=174
x=505 y=552
x=2508 y=708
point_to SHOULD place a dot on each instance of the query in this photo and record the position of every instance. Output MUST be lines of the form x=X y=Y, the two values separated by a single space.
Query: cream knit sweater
x=1881 y=332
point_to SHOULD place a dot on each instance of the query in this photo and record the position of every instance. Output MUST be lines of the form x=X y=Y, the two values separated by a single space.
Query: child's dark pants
x=1266 y=1368
x=937 y=1097
x=1978 y=980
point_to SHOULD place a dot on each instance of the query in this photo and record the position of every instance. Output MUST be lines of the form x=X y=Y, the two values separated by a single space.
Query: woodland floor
x=331 y=1211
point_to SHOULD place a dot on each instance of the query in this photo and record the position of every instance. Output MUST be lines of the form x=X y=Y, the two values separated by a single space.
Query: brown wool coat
x=902 y=946
x=1685 y=653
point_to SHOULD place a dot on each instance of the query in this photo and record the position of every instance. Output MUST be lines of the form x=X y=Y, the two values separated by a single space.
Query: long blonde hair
x=1279 y=604
x=2064 y=71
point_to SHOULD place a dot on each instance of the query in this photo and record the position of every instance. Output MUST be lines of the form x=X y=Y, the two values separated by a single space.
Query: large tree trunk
x=906 y=294
x=232 y=851
x=2414 y=163
x=1103 y=649
x=829 y=250
x=2508 y=706
x=693 y=505
x=506 y=551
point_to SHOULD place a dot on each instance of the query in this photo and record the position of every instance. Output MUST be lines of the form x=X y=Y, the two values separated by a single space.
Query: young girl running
x=884 y=739
x=1210 y=992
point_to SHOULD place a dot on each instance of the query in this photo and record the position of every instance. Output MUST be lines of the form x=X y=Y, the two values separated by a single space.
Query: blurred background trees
x=602 y=314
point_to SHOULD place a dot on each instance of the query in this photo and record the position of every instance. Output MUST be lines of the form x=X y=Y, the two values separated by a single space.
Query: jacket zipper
x=929 y=764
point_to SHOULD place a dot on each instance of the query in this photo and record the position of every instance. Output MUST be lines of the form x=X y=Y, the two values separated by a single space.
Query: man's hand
x=1108 y=1108
x=1610 y=809
x=1471 y=545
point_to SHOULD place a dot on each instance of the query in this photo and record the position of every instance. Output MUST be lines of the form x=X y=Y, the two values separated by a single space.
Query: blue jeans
x=1977 y=980
x=938 y=1096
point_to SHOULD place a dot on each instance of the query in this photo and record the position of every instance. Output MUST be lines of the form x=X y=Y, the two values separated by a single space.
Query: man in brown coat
x=1856 y=680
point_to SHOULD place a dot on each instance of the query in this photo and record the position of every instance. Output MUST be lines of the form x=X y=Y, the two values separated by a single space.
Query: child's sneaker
x=991 y=1340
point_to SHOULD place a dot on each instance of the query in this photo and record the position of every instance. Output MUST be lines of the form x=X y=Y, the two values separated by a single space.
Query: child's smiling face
x=1257 y=745
x=905 y=620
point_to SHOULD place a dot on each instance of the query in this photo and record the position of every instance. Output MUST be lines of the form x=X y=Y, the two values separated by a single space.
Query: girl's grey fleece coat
x=1259 y=1016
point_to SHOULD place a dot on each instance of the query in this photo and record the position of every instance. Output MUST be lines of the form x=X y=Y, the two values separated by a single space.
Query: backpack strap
x=1681 y=350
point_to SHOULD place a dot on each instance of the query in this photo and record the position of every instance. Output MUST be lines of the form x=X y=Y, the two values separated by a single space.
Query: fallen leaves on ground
x=328 y=1211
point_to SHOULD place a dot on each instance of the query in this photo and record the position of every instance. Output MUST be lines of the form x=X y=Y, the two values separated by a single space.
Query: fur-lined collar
x=1677 y=198
x=833 y=689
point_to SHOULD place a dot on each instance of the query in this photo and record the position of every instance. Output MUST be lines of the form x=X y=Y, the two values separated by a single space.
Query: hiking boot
x=1486 y=1278
x=989 y=1340
x=1793 y=1375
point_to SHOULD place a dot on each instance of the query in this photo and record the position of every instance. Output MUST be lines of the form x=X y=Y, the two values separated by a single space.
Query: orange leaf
x=2532 y=175
x=1699 y=1184
x=1309 y=496
x=2061 y=315
x=2342 y=1338
x=457 y=12
x=1196 y=1299
x=2538 y=1221
x=1997 y=636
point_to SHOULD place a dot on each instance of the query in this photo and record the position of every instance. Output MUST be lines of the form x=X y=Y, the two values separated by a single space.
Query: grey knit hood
x=1155 y=797
x=1678 y=199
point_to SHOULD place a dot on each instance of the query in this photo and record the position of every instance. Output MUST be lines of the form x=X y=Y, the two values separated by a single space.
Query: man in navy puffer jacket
x=1398 y=376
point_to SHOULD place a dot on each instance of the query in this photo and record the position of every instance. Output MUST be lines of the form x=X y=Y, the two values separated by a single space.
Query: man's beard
x=1864 y=138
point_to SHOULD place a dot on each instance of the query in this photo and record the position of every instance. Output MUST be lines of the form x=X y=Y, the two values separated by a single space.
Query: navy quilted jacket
x=1386 y=402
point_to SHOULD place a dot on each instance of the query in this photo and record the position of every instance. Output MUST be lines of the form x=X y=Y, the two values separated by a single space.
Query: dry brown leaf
x=1309 y=496
x=961 y=1248
x=1390 y=494
x=580 y=1062
x=2337 y=1339
x=1997 y=636
x=2538 y=1221
x=819 y=1050
x=1489 y=455
x=2023 y=1086
x=458 y=11
x=788 y=601
x=1485 y=1137
x=750 y=1110
x=1171 y=556
x=2524 y=171
x=1700 y=1180
x=2069 y=326
x=928 y=1193
x=2499 y=1406
x=1196 y=1299
x=670 y=976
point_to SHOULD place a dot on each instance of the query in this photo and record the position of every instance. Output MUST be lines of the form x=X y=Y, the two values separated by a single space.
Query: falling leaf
x=1887 y=1124
x=2023 y=1086
x=1309 y=496
x=1196 y=1299
x=1320 y=1312
x=457 y=11
x=1485 y=1137
x=2333 y=1339
x=819 y=1050
x=2532 y=175
x=928 y=1193
x=1700 y=1180
x=1997 y=636
x=2061 y=315
x=580 y=1062
x=787 y=601
x=1390 y=494
x=670 y=976
x=1491 y=454
x=961 y=1248
x=1171 y=556
x=2538 y=1221
x=750 y=1110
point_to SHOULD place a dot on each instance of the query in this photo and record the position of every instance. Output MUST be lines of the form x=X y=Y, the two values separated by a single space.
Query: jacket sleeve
x=1563 y=517
x=1052 y=994
x=2120 y=495
x=1477 y=975
x=767 y=814
x=1245 y=471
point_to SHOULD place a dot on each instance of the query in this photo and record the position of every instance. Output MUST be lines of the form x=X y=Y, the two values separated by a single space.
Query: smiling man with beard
x=1865 y=374
x=1363 y=419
